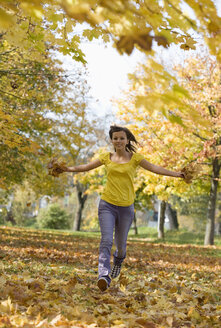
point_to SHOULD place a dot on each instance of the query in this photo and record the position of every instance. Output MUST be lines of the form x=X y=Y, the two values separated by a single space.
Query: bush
x=53 y=217
x=2 y=218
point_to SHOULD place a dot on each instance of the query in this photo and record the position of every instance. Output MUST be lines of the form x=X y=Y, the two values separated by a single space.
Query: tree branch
x=17 y=72
x=7 y=52
x=11 y=94
x=199 y=136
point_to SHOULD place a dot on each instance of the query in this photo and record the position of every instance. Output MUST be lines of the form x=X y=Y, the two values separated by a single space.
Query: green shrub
x=2 y=218
x=53 y=217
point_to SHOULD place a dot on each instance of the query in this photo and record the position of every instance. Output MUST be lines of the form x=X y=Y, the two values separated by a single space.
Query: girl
x=116 y=209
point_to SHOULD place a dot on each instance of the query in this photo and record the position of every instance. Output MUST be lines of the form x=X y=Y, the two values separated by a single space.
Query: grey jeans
x=118 y=218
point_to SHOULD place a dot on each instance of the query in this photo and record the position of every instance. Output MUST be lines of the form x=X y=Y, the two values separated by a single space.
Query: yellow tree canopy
x=38 y=116
x=176 y=125
x=47 y=23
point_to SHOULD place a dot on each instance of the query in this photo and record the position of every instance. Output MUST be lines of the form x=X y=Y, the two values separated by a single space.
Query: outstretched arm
x=84 y=167
x=159 y=169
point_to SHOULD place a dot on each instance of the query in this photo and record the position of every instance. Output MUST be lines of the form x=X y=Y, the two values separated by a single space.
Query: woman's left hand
x=180 y=175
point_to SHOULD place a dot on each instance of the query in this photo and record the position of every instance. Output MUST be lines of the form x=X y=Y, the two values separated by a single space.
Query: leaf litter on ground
x=49 y=280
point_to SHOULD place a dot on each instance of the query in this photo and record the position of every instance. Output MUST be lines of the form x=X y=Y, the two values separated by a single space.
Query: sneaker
x=102 y=284
x=115 y=271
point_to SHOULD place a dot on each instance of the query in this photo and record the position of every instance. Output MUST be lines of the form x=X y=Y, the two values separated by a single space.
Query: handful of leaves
x=56 y=167
x=191 y=171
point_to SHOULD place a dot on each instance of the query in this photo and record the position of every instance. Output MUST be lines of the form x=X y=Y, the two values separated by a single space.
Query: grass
x=180 y=237
x=150 y=235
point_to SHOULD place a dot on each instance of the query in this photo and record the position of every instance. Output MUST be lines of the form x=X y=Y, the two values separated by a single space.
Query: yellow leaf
x=162 y=41
x=123 y=288
x=194 y=314
x=6 y=19
x=6 y=306
x=145 y=323
x=2 y=281
x=213 y=27
x=118 y=322
x=170 y=321
x=42 y=324
x=177 y=88
x=125 y=44
x=33 y=10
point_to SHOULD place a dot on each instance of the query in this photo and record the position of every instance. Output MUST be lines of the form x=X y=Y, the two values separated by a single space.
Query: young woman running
x=116 y=207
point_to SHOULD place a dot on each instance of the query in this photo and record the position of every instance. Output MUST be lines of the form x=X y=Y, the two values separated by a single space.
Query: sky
x=108 y=73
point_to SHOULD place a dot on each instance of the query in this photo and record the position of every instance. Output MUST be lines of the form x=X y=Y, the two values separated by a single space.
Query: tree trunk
x=82 y=197
x=135 y=224
x=210 y=225
x=172 y=216
x=10 y=217
x=219 y=228
x=161 y=219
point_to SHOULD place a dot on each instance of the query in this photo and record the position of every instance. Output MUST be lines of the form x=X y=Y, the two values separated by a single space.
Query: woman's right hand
x=56 y=167
x=60 y=170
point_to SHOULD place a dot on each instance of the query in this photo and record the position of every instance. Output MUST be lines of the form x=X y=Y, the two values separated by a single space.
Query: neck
x=121 y=153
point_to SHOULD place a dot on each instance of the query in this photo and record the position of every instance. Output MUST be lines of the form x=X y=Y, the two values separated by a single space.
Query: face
x=119 y=140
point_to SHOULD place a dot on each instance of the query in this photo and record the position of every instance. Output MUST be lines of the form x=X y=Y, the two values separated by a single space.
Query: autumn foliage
x=176 y=116
x=56 y=166
x=48 y=280
x=129 y=23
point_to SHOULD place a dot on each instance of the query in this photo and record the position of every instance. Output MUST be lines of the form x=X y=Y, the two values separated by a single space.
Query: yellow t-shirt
x=119 y=189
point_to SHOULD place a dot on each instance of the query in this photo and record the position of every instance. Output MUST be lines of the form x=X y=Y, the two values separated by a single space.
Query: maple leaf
x=162 y=41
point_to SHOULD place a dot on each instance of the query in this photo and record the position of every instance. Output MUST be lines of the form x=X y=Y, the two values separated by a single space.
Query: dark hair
x=129 y=147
